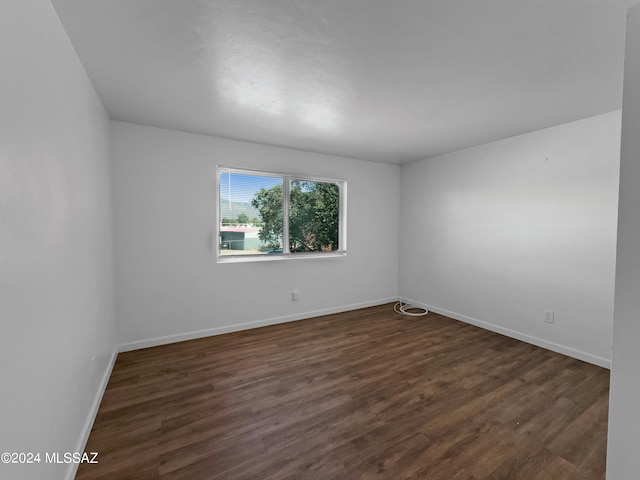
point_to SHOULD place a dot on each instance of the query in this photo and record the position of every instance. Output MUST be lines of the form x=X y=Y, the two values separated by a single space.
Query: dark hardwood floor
x=367 y=394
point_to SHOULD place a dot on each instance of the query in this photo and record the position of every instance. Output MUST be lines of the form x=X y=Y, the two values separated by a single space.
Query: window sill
x=270 y=257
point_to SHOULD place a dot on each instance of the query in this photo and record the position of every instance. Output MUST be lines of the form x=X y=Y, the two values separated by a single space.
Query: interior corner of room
x=107 y=227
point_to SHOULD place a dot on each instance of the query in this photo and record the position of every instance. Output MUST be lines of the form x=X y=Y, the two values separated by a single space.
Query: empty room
x=319 y=239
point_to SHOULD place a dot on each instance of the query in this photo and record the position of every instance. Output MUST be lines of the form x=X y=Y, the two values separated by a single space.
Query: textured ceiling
x=380 y=80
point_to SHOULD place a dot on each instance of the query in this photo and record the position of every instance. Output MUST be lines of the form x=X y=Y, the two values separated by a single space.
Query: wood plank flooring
x=367 y=394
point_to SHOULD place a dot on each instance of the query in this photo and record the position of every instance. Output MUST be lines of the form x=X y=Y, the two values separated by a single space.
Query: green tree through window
x=314 y=215
x=269 y=203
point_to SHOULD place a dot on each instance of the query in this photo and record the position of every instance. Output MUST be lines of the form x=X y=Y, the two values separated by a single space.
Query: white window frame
x=286 y=254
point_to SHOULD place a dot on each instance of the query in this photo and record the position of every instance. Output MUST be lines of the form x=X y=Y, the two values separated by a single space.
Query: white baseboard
x=180 y=337
x=91 y=417
x=570 y=352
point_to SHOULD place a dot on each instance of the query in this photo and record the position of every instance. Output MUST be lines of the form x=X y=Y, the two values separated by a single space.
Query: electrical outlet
x=295 y=295
x=549 y=316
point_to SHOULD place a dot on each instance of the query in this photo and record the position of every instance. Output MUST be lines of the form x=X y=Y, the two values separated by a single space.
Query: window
x=269 y=216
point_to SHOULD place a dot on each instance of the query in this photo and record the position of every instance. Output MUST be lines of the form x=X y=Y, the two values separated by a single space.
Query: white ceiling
x=380 y=80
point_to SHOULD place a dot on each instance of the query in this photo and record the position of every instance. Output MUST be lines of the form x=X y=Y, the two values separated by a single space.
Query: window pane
x=251 y=214
x=314 y=216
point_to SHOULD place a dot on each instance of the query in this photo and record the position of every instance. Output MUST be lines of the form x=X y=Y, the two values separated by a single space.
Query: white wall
x=497 y=234
x=168 y=284
x=623 y=454
x=56 y=241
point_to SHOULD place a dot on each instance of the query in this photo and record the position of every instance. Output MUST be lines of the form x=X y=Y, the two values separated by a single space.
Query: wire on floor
x=409 y=310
